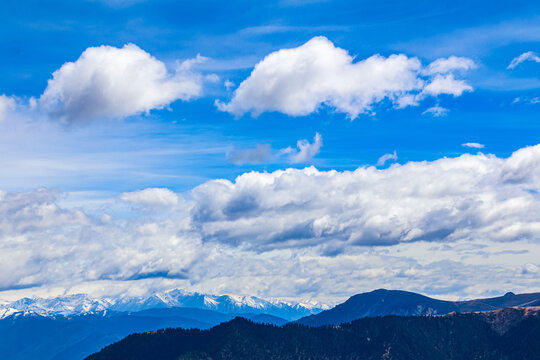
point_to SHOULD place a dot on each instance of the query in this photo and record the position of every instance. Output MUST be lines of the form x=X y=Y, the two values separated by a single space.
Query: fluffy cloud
x=306 y=150
x=110 y=82
x=528 y=56
x=468 y=197
x=298 y=81
x=42 y=243
x=446 y=84
x=6 y=104
x=34 y=211
x=153 y=197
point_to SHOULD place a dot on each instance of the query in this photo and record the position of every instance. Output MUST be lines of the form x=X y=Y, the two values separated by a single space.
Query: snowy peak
x=80 y=304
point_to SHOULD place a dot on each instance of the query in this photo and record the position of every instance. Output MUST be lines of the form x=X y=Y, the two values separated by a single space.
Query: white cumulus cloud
x=107 y=82
x=300 y=80
x=468 y=197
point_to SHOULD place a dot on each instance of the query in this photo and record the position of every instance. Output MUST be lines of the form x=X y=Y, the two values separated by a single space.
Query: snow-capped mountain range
x=81 y=304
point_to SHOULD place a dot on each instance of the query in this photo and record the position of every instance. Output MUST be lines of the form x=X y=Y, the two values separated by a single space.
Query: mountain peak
x=81 y=304
x=383 y=302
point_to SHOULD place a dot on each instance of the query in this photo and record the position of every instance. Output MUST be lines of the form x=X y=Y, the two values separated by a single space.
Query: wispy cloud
x=126 y=156
x=527 y=100
x=383 y=159
x=263 y=153
x=478 y=40
x=473 y=145
x=260 y=154
x=528 y=56
x=436 y=111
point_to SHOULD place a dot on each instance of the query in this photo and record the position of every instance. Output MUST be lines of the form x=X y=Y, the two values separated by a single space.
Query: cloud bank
x=328 y=233
x=109 y=82
x=299 y=81
x=468 y=197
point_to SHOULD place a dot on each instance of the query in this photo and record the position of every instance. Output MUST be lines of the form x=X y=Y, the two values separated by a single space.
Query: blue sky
x=39 y=37
x=86 y=153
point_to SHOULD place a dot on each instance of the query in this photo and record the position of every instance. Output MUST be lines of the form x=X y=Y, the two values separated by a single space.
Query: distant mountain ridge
x=33 y=336
x=509 y=334
x=80 y=304
x=74 y=326
x=403 y=303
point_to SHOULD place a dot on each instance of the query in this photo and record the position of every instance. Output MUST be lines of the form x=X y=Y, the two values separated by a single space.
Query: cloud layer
x=109 y=82
x=468 y=222
x=299 y=81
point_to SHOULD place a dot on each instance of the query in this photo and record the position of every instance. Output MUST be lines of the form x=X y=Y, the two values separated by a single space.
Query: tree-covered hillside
x=503 y=334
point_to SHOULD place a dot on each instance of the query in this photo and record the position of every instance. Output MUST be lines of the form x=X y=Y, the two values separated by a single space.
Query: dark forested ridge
x=404 y=303
x=506 y=334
